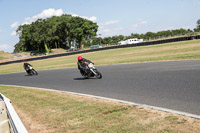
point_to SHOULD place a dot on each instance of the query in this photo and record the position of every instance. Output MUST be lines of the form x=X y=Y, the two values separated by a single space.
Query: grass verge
x=47 y=111
x=5 y=55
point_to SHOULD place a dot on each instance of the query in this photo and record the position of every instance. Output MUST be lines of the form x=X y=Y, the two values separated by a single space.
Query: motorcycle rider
x=83 y=64
x=26 y=66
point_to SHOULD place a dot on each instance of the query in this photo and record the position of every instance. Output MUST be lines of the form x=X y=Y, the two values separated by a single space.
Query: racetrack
x=173 y=85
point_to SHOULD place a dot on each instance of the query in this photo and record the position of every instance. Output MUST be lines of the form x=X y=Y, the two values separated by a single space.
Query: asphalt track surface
x=172 y=85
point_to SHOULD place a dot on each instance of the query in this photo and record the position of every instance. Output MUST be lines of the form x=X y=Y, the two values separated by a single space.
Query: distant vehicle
x=95 y=46
x=72 y=48
x=32 y=53
x=130 y=41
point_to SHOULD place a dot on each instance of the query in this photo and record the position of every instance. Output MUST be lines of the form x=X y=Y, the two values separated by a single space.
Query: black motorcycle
x=31 y=71
x=91 y=72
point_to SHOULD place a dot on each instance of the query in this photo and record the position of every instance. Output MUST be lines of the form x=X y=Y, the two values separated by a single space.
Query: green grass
x=5 y=55
x=59 y=112
x=162 y=52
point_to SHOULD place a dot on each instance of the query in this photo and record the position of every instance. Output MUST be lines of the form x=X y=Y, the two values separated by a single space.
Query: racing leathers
x=26 y=67
x=83 y=65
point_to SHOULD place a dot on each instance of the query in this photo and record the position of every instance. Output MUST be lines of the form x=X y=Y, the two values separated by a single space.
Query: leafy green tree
x=55 y=32
x=197 y=29
x=149 y=35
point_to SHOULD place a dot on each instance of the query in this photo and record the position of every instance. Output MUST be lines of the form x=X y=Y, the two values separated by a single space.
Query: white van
x=130 y=41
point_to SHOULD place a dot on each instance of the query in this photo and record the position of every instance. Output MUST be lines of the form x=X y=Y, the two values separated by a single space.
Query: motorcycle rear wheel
x=84 y=75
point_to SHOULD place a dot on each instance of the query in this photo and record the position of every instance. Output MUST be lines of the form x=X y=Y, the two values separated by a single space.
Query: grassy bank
x=47 y=111
x=5 y=55
x=162 y=52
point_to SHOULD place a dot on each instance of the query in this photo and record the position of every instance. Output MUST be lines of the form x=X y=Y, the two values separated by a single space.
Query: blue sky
x=114 y=17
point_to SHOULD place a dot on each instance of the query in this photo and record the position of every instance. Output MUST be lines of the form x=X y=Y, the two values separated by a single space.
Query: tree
x=55 y=32
x=149 y=35
x=197 y=29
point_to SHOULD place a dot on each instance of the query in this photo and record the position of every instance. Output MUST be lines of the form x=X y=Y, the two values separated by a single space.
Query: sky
x=114 y=17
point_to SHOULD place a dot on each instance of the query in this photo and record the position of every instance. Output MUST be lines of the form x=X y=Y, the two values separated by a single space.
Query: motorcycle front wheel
x=34 y=72
x=98 y=74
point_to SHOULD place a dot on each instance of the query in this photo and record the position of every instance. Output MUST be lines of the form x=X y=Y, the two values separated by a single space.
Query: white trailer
x=130 y=41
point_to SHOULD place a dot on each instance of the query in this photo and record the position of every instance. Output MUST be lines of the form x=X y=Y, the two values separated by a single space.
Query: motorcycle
x=32 y=71
x=92 y=71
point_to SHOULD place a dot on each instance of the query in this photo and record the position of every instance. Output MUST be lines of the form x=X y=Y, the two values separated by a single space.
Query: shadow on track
x=83 y=78
x=79 y=79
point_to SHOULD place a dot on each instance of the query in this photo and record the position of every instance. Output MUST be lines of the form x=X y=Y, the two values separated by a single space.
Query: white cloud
x=45 y=14
x=109 y=28
x=5 y=47
x=119 y=29
x=93 y=18
x=13 y=33
x=52 y=12
x=135 y=26
x=14 y=25
x=108 y=24
x=106 y=31
x=143 y=22
x=111 y=22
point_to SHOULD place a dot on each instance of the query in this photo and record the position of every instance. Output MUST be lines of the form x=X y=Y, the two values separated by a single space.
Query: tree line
x=148 y=36
x=63 y=31
x=55 y=32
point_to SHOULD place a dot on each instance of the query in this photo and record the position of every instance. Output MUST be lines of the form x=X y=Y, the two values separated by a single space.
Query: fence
x=15 y=123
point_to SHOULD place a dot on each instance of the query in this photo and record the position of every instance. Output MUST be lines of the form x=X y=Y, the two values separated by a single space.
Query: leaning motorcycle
x=32 y=71
x=92 y=71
